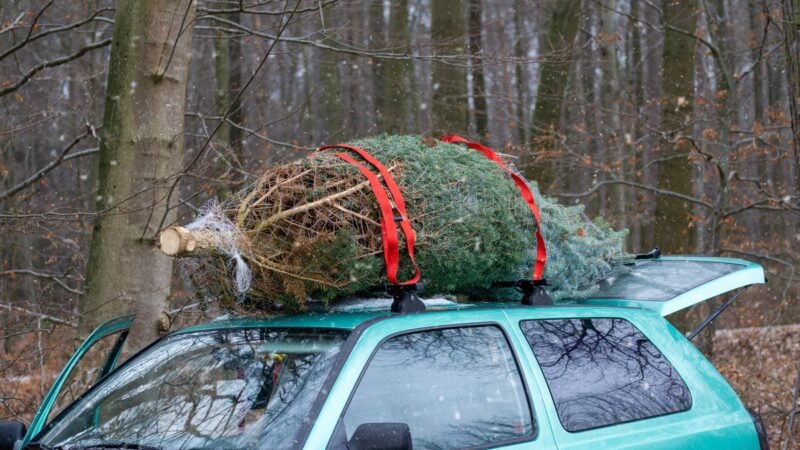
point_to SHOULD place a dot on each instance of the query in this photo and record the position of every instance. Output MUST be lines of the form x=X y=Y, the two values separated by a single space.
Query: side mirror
x=381 y=436
x=11 y=433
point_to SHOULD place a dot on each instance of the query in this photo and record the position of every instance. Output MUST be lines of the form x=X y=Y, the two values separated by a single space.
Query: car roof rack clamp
x=655 y=253
x=405 y=297
x=533 y=292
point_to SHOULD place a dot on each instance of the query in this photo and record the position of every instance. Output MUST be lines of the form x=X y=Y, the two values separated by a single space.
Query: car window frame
x=347 y=346
x=119 y=326
x=601 y=427
x=514 y=352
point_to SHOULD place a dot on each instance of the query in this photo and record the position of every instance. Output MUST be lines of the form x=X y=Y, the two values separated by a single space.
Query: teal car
x=605 y=372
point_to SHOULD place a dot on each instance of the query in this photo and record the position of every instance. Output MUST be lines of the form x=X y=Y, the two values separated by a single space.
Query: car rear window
x=662 y=280
x=604 y=371
x=454 y=388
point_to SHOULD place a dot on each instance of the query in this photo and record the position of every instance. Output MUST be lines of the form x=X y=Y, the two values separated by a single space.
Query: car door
x=444 y=380
x=92 y=360
x=671 y=283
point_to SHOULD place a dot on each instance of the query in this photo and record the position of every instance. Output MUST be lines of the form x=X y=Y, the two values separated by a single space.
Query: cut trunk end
x=177 y=241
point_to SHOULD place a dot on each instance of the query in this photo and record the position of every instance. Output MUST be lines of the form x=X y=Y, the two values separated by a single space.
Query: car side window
x=89 y=369
x=454 y=388
x=604 y=371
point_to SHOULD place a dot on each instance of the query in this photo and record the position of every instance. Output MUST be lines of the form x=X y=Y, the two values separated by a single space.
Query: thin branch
x=251 y=132
x=49 y=276
x=225 y=116
x=761 y=204
x=36 y=19
x=351 y=50
x=307 y=206
x=250 y=9
x=667 y=27
x=38 y=36
x=789 y=265
x=44 y=170
x=87 y=152
x=28 y=312
x=181 y=30
x=53 y=63
x=645 y=187
x=13 y=24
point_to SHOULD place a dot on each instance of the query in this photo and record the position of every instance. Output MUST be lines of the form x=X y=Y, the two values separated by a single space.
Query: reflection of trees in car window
x=231 y=388
x=603 y=372
x=86 y=372
x=454 y=388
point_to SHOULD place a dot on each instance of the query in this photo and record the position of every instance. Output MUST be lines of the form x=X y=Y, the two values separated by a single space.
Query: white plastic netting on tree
x=225 y=237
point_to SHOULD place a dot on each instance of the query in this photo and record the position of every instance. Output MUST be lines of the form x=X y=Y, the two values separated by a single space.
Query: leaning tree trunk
x=142 y=145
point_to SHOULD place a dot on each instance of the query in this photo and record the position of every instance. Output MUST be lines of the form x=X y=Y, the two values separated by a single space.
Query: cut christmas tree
x=311 y=230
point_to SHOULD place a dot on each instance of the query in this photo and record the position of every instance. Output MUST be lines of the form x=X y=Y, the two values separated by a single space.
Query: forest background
x=677 y=119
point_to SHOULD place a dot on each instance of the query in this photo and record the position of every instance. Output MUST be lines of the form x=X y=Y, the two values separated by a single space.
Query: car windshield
x=238 y=388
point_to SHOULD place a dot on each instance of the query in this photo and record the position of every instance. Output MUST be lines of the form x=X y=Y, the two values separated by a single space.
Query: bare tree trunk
x=741 y=102
x=499 y=76
x=142 y=145
x=475 y=87
x=530 y=21
x=792 y=52
x=419 y=25
x=704 y=122
x=652 y=48
x=618 y=100
x=674 y=168
x=237 y=115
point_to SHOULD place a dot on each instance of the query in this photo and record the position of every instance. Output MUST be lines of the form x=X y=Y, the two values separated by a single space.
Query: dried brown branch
x=309 y=206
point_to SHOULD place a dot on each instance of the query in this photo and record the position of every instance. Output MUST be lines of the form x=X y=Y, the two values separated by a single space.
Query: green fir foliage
x=473 y=227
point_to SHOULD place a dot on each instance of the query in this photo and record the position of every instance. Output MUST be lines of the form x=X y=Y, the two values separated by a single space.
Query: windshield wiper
x=120 y=445
x=40 y=446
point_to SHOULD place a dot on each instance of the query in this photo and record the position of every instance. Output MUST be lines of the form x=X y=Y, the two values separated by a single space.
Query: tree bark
x=652 y=63
x=792 y=52
x=419 y=26
x=498 y=36
x=449 y=80
x=142 y=145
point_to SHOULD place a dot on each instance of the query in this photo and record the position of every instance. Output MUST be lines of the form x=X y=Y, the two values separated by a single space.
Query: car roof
x=660 y=285
x=350 y=319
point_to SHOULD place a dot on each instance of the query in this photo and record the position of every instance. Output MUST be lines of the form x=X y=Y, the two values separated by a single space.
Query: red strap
x=527 y=195
x=391 y=244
